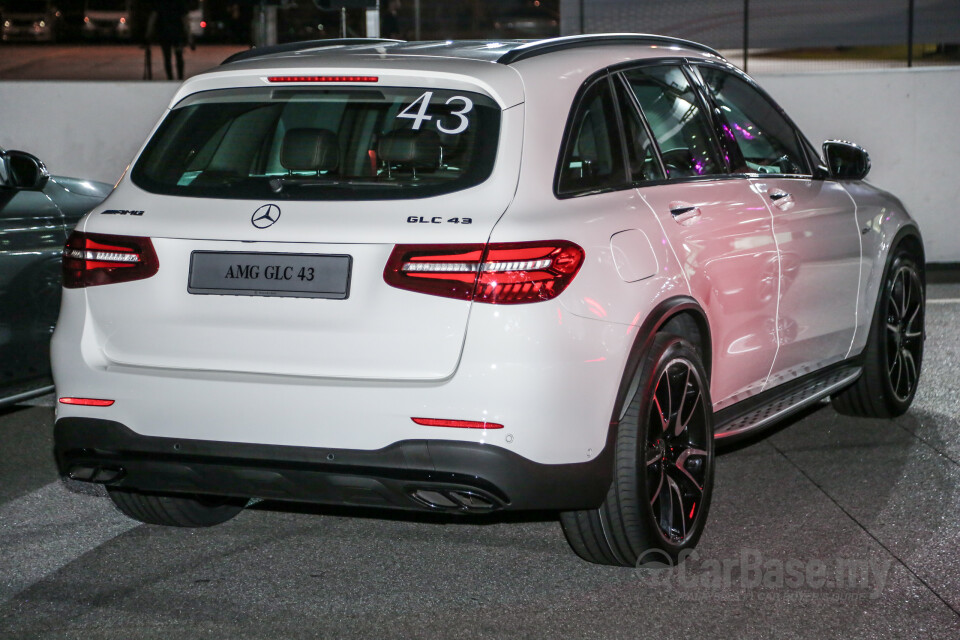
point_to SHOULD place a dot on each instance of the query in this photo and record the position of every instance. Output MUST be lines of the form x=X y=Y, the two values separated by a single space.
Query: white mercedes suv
x=475 y=276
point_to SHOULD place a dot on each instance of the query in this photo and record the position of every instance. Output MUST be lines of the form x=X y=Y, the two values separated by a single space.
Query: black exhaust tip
x=456 y=500
x=102 y=475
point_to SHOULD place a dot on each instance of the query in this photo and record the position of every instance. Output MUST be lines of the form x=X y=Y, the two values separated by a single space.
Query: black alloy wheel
x=893 y=355
x=659 y=497
x=677 y=450
x=904 y=331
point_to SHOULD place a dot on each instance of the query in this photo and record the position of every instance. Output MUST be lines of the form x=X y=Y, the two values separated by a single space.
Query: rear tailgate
x=369 y=330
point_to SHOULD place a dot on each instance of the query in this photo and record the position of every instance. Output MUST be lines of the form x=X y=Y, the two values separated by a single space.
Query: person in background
x=143 y=30
x=390 y=24
x=172 y=33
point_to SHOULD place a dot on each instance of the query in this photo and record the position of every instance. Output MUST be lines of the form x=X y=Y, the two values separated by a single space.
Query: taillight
x=91 y=259
x=495 y=273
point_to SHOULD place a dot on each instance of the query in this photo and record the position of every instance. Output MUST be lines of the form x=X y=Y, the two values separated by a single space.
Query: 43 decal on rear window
x=419 y=113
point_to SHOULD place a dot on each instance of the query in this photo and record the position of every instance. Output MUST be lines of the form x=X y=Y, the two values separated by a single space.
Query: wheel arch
x=908 y=236
x=681 y=315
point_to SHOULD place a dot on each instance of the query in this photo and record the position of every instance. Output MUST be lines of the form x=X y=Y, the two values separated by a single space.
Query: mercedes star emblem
x=265 y=216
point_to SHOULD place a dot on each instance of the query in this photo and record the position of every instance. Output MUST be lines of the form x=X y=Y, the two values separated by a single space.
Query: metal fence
x=903 y=32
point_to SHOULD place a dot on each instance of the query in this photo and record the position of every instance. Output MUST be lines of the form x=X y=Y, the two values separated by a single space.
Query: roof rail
x=540 y=47
x=303 y=45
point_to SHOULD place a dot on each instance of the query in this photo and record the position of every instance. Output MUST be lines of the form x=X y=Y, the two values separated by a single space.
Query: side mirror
x=846 y=160
x=22 y=171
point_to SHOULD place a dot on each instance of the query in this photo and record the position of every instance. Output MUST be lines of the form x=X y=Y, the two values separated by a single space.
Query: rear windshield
x=322 y=144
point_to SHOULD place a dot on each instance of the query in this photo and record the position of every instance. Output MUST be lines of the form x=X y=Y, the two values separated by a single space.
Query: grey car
x=37 y=211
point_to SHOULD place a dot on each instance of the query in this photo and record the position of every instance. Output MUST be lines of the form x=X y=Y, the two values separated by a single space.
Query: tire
x=659 y=498
x=894 y=351
x=175 y=511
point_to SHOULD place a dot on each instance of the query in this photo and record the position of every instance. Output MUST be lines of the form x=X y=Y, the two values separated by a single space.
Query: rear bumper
x=433 y=475
x=548 y=376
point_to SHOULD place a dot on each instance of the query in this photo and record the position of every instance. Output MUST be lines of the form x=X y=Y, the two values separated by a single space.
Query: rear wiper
x=277 y=184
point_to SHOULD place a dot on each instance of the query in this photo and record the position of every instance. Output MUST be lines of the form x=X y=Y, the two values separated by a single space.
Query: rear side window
x=322 y=144
x=767 y=141
x=670 y=106
x=593 y=158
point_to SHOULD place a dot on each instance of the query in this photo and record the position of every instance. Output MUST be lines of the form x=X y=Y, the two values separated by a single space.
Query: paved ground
x=831 y=527
x=99 y=62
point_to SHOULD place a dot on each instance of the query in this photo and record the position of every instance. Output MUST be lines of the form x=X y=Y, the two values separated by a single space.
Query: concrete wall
x=81 y=129
x=905 y=118
x=773 y=24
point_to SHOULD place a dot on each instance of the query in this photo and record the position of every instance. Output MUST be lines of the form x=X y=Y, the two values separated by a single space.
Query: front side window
x=322 y=144
x=767 y=141
x=673 y=112
x=593 y=158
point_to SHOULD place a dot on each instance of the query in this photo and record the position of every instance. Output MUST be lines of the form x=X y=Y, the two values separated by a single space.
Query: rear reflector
x=87 y=402
x=323 y=78
x=91 y=259
x=495 y=273
x=457 y=424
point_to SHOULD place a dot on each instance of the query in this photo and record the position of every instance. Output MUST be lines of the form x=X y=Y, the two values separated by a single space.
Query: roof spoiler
x=303 y=45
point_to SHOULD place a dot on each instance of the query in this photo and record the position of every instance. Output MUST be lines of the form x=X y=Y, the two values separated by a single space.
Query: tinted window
x=671 y=108
x=767 y=141
x=593 y=158
x=322 y=144
x=641 y=152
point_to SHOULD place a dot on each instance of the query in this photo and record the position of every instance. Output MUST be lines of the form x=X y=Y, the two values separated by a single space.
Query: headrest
x=310 y=150
x=414 y=149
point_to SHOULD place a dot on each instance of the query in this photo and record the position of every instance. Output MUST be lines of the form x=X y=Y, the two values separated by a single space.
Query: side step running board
x=781 y=403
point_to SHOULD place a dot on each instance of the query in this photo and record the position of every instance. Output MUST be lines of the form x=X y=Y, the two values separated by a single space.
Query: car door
x=720 y=229
x=814 y=221
x=31 y=240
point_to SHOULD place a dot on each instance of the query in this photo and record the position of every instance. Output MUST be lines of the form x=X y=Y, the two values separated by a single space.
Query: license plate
x=297 y=275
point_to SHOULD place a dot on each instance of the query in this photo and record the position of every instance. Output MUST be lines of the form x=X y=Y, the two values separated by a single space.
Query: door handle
x=781 y=199
x=684 y=212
